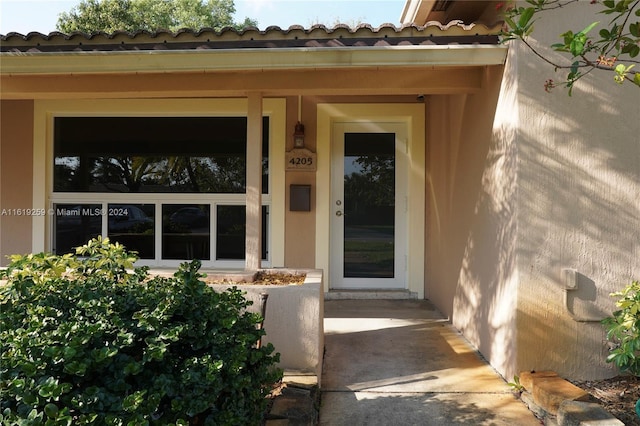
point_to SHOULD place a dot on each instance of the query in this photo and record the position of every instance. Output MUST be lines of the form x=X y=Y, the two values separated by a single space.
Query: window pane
x=186 y=231
x=74 y=225
x=231 y=232
x=133 y=225
x=153 y=154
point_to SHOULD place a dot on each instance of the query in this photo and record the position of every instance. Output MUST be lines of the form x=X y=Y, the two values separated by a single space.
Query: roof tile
x=251 y=37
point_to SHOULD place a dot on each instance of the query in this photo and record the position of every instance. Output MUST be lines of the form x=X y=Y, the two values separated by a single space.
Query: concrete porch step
x=369 y=294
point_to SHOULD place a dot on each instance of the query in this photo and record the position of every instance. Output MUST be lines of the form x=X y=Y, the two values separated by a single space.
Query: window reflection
x=231 y=232
x=133 y=225
x=185 y=231
x=369 y=205
x=74 y=225
x=153 y=154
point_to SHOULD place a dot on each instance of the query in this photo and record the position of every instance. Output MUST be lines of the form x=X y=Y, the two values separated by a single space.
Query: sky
x=24 y=16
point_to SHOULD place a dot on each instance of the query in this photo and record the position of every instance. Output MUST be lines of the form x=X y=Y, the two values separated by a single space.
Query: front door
x=368 y=225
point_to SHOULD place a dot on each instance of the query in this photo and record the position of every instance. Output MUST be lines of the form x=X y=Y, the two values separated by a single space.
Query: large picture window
x=153 y=154
x=170 y=188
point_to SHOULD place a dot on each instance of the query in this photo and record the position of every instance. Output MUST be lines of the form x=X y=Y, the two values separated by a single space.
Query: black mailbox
x=300 y=198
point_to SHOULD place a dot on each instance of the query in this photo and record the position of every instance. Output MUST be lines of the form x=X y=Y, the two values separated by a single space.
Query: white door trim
x=337 y=279
x=414 y=116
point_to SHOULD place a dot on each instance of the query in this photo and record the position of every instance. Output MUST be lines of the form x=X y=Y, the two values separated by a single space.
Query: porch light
x=298 y=136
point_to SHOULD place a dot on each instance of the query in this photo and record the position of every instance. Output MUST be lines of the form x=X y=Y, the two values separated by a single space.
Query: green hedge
x=88 y=339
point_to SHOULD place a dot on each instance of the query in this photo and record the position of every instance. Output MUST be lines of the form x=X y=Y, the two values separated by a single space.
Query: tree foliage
x=611 y=45
x=151 y=15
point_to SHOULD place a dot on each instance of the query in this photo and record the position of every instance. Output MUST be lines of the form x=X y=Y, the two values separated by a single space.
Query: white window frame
x=46 y=198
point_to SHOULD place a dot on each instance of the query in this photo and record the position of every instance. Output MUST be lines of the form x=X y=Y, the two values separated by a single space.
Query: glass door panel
x=369 y=205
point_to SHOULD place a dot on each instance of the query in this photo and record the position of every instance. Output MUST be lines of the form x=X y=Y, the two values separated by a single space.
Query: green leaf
x=560 y=47
x=605 y=34
x=76 y=368
x=577 y=45
x=34 y=415
x=511 y=23
x=29 y=398
x=51 y=410
x=29 y=369
x=567 y=37
x=133 y=401
x=525 y=17
x=132 y=368
x=589 y=28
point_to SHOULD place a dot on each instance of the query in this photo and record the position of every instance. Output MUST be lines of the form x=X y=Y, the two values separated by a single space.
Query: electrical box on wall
x=300 y=198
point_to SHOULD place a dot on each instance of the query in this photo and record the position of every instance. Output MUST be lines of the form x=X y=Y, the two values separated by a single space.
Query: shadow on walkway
x=399 y=362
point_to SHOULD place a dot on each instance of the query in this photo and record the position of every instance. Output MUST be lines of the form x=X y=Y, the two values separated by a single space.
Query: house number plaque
x=301 y=159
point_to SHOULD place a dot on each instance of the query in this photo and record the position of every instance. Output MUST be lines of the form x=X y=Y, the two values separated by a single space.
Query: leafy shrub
x=84 y=341
x=623 y=329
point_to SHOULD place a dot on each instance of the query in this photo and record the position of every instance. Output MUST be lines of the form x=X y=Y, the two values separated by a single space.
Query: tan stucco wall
x=470 y=182
x=578 y=205
x=555 y=183
x=16 y=154
x=300 y=237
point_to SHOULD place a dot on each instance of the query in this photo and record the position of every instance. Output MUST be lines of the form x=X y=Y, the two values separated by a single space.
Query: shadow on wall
x=579 y=181
x=486 y=294
x=562 y=193
x=482 y=234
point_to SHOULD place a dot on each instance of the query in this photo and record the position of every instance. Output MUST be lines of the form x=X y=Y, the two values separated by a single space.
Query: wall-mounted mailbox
x=300 y=198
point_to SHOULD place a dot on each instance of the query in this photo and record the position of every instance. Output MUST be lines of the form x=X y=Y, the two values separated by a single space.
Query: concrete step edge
x=548 y=395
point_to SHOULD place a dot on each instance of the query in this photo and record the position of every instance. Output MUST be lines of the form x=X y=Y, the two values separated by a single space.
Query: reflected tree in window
x=153 y=154
x=369 y=205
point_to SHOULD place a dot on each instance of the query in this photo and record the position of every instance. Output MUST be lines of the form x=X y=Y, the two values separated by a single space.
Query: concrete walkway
x=399 y=362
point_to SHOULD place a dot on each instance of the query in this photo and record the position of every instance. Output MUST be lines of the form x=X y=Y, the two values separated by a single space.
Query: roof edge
x=247 y=59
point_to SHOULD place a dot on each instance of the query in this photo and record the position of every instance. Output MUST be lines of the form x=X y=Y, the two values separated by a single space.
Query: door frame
x=398 y=281
x=413 y=116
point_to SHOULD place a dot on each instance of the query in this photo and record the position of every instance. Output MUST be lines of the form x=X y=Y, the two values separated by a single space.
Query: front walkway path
x=398 y=362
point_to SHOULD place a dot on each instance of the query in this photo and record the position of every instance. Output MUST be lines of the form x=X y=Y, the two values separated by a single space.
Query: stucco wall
x=578 y=205
x=471 y=184
x=555 y=183
x=300 y=238
x=16 y=153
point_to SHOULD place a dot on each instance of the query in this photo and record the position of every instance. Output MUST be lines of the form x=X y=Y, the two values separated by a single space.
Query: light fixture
x=298 y=136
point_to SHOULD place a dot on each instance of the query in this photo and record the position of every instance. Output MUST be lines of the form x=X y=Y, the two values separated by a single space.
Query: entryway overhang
x=388 y=70
x=435 y=58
